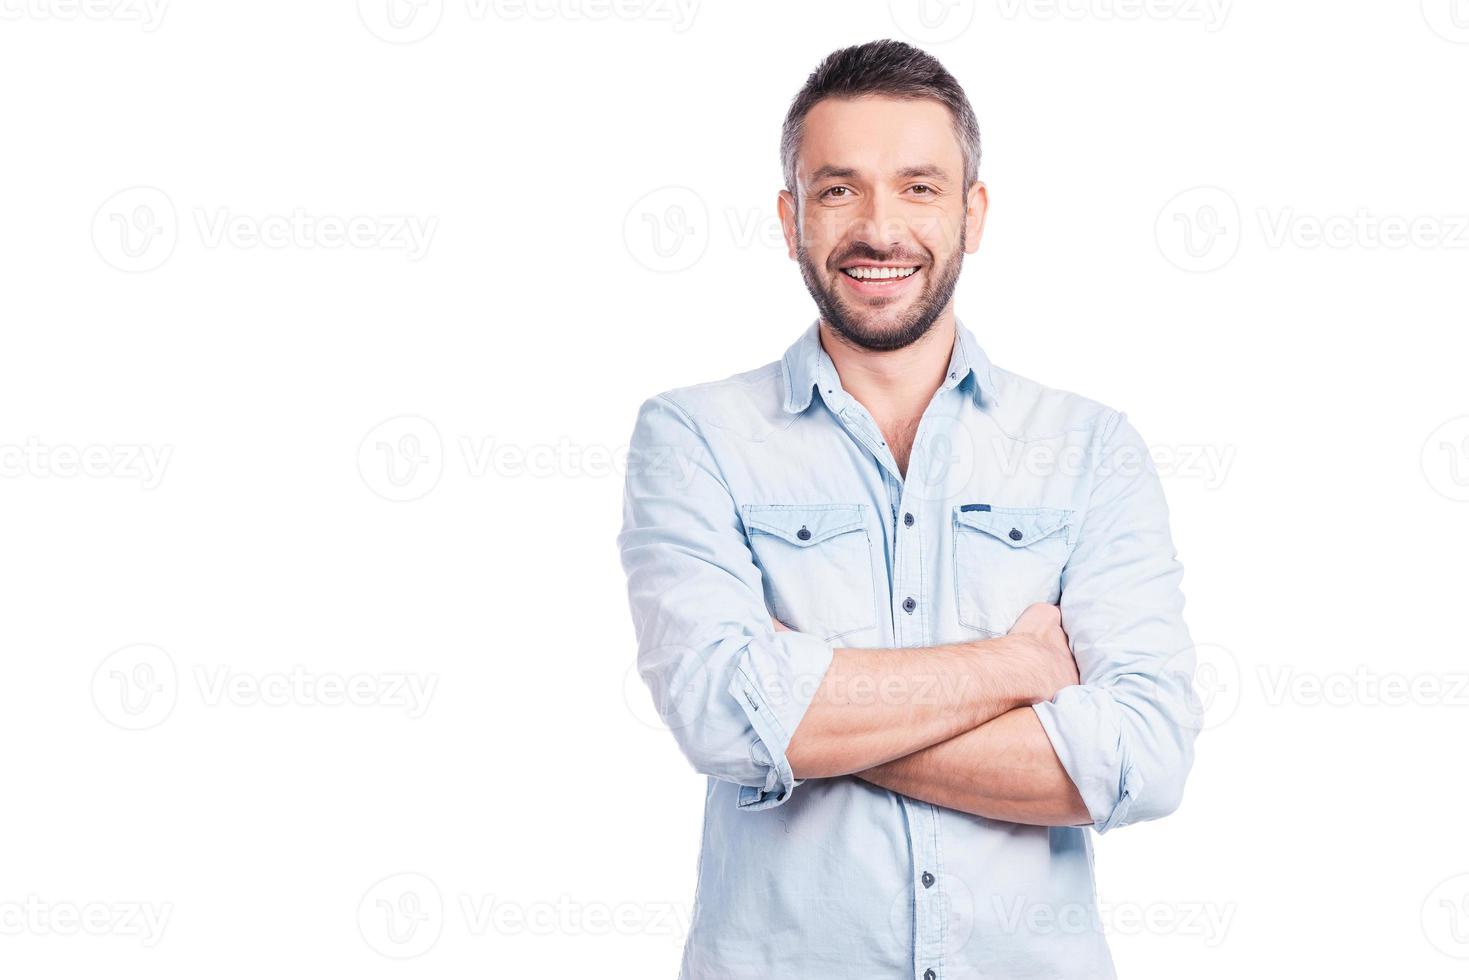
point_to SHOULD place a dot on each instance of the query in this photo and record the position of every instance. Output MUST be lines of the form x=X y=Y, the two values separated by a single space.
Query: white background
x=212 y=410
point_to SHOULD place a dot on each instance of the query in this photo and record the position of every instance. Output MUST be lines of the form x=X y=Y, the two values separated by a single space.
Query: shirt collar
x=806 y=366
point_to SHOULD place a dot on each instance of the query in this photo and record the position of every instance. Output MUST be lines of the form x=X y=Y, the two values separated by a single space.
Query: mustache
x=865 y=254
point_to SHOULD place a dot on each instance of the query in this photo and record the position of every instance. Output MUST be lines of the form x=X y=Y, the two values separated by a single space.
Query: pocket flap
x=1019 y=527
x=802 y=524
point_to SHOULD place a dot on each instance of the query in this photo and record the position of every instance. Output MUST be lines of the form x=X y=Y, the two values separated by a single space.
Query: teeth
x=865 y=272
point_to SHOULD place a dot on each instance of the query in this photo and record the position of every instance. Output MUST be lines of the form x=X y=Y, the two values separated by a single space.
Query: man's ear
x=976 y=207
x=785 y=206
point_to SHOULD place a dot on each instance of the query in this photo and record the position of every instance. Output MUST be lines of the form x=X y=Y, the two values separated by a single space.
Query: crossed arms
x=950 y=725
x=1094 y=726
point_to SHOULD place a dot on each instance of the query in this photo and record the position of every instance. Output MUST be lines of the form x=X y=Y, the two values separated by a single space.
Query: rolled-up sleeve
x=728 y=685
x=1125 y=735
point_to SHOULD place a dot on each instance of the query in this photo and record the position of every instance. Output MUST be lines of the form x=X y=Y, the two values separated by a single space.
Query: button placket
x=929 y=908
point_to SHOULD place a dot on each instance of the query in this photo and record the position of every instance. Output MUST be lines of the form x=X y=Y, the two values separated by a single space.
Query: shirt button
x=909 y=604
x=907 y=520
x=805 y=535
x=930 y=975
x=927 y=880
x=1015 y=534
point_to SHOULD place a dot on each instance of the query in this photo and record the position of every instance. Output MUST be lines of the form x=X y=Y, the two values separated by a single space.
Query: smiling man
x=916 y=618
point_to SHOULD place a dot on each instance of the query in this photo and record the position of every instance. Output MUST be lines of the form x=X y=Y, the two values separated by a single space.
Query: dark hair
x=890 y=68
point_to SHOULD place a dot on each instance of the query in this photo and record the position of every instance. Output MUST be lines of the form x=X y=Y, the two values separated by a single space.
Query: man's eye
x=832 y=191
x=923 y=188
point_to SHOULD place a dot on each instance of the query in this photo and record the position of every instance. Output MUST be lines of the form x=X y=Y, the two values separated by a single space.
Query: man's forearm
x=874 y=706
x=1004 y=769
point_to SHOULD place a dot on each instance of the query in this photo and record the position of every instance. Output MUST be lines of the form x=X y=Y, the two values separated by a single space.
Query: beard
x=871 y=330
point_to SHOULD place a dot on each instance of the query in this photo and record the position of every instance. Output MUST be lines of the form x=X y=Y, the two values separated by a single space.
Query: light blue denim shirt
x=773 y=493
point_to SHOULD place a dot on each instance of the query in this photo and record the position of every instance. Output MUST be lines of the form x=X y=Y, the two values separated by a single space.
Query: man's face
x=882 y=221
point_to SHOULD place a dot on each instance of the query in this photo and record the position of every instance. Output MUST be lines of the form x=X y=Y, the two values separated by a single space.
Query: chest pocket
x=1006 y=558
x=816 y=561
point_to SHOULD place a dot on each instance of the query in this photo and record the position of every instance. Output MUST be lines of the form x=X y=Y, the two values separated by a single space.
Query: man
x=916 y=617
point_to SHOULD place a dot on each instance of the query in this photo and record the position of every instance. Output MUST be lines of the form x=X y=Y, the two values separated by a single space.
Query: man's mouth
x=879 y=281
x=879 y=273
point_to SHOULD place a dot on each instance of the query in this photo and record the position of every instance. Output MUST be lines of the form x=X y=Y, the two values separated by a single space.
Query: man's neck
x=894 y=386
x=895 y=382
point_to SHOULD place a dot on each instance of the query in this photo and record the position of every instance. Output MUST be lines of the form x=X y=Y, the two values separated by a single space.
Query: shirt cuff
x=1082 y=725
x=774 y=683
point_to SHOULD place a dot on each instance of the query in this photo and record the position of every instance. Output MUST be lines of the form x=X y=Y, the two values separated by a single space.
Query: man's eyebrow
x=830 y=172
x=925 y=170
x=833 y=172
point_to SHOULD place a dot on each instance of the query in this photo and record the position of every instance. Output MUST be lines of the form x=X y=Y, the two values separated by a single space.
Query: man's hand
x=1047 y=650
